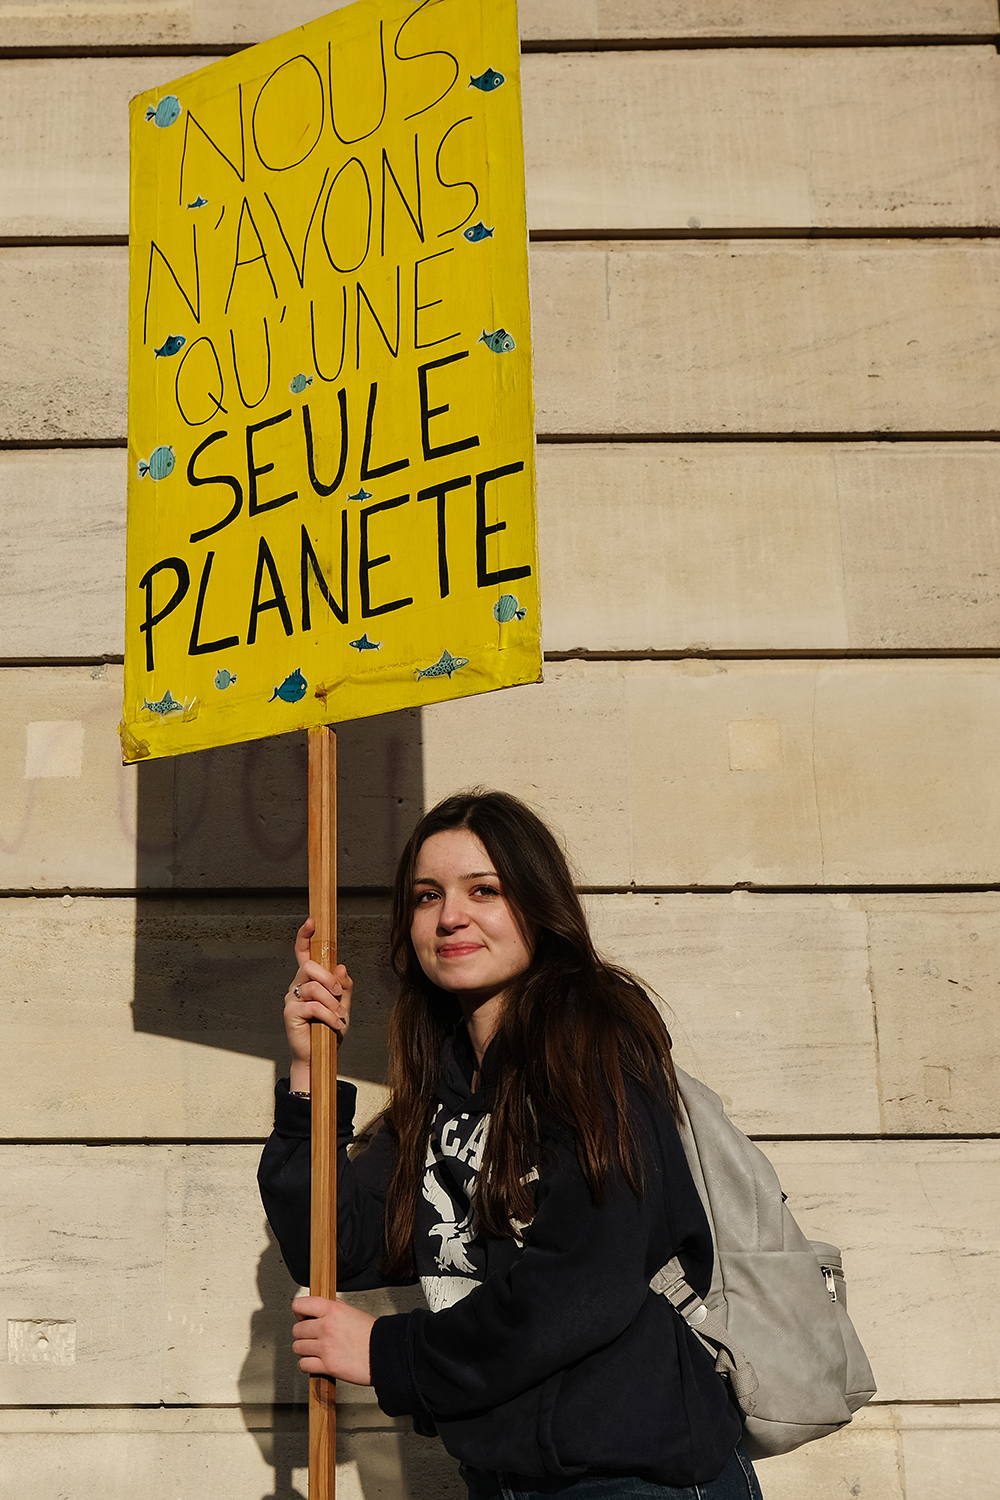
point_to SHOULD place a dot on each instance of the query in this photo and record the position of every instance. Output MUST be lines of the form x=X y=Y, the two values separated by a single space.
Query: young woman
x=529 y=1171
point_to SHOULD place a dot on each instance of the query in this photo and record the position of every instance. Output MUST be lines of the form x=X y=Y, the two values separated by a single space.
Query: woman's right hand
x=315 y=994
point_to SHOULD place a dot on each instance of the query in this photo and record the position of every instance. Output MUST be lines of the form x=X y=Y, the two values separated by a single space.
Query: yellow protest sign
x=331 y=474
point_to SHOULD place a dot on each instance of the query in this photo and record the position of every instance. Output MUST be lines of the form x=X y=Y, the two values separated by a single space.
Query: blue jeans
x=736 y=1482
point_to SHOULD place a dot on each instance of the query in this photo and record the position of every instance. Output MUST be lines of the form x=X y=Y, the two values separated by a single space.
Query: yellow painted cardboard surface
x=331 y=425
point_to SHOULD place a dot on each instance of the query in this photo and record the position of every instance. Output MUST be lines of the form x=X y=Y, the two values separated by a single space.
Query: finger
x=336 y=981
x=305 y=1012
x=312 y=1366
x=302 y=937
x=312 y=1307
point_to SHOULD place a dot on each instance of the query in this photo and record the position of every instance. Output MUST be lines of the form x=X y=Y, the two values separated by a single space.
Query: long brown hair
x=572 y=1028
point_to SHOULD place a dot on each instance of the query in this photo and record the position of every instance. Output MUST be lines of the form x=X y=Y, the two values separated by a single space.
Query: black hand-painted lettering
x=236 y=367
x=460 y=184
x=419 y=307
x=228 y=479
x=303 y=85
x=352 y=140
x=241 y=170
x=343 y=340
x=348 y=218
x=216 y=400
x=392 y=348
x=193 y=307
x=195 y=646
x=277 y=600
x=484 y=578
x=310 y=562
x=180 y=567
x=249 y=260
x=438 y=492
x=254 y=470
x=380 y=473
x=300 y=270
x=365 y=564
x=317 y=484
x=416 y=56
x=427 y=412
x=417 y=219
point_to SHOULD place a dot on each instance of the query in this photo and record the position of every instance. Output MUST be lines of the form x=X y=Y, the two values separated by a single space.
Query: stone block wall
x=765 y=281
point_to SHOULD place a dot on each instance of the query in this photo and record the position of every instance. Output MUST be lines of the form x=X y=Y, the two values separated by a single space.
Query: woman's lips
x=458 y=950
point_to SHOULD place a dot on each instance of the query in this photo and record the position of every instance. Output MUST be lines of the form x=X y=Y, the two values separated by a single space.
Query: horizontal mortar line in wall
x=62 y=661
x=787 y=232
x=50 y=241
x=283 y=1407
x=33 y=445
x=563 y=44
x=703 y=44
x=991 y=436
x=956 y=1137
x=384 y=892
x=813 y=653
x=99 y=1142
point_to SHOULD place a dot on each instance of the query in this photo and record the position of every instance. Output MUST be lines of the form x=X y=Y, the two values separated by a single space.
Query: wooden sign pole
x=323 y=1086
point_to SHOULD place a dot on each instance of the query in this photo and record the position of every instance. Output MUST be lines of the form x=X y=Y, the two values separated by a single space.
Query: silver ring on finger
x=295 y=992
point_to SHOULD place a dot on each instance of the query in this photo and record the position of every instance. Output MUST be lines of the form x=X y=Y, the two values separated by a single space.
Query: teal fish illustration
x=477 y=232
x=160 y=464
x=362 y=494
x=166 y=705
x=445 y=665
x=199 y=202
x=170 y=346
x=364 y=644
x=499 y=341
x=224 y=678
x=487 y=81
x=298 y=384
x=507 y=608
x=165 y=112
x=292 y=689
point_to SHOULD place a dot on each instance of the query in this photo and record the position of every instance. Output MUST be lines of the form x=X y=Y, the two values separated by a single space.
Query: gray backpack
x=776 y=1314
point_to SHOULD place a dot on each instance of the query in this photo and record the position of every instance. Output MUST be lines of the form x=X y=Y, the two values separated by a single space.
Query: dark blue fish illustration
x=362 y=494
x=199 y=202
x=298 y=384
x=445 y=665
x=507 y=608
x=364 y=644
x=499 y=341
x=487 y=81
x=166 y=705
x=477 y=232
x=170 y=346
x=165 y=112
x=160 y=464
x=224 y=678
x=292 y=689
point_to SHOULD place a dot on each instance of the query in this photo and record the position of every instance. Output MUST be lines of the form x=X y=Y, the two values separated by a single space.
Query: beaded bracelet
x=298 y=1094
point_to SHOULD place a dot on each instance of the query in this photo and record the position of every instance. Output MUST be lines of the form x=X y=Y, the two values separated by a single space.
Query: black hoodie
x=546 y=1355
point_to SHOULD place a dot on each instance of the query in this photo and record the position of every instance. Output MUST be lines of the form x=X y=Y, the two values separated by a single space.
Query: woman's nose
x=452 y=913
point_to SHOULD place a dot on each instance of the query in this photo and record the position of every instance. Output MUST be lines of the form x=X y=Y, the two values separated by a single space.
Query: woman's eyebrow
x=475 y=875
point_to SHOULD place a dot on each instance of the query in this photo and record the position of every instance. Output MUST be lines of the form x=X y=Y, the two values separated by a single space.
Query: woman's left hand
x=332 y=1339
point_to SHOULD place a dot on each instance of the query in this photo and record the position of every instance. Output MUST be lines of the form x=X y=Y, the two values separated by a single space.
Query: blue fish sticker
x=364 y=644
x=292 y=690
x=224 y=678
x=298 y=384
x=499 y=341
x=507 y=608
x=477 y=232
x=199 y=202
x=487 y=81
x=362 y=494
x=165 y=112
x=175 y=342
x=160 y=464
x=445 y=665
x=166 y=705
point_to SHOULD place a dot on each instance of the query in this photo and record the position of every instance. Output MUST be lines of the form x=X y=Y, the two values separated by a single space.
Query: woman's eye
x=423 y=897
x=486 y=890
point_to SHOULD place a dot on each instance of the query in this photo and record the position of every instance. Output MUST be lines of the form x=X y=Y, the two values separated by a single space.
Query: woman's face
x=465 y=934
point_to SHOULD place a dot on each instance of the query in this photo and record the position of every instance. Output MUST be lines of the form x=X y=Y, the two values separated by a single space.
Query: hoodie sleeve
x=362 y=1183
x=580 y=1282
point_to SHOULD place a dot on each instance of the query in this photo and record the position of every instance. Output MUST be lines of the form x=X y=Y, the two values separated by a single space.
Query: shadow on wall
x=222 y=856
